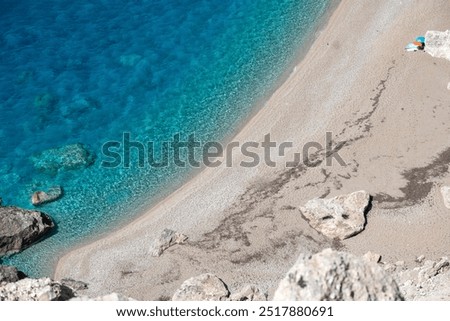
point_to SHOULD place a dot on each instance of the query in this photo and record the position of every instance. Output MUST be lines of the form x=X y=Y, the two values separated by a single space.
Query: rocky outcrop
x=27 y=289
x=109 y=297
x=46 y=289
x=437 y=44
x=340 y=217
x=41 y=197
x=332 y=275
x=74 y=284
x=167 y=239
x=8 y=274
x=249 y=293
x=70 y=157
x=20 y=228
x=445 y=191
x=205 y=287
x=428 y=281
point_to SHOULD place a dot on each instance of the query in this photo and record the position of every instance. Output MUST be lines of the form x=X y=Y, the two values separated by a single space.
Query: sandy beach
x=388 y=113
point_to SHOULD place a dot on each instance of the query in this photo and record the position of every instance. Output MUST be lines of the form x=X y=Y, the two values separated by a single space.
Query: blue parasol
x=420 y=39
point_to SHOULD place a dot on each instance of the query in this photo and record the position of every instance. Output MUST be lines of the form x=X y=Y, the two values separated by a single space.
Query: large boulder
x=437 y=44
x=445 y=191
x=336 y=276
x=167 y=239
x=8 y=274
x=41 y=197
x=20 y=228
x=205 y=287
x=69 y=157
x=340 y=217
x=27 y=289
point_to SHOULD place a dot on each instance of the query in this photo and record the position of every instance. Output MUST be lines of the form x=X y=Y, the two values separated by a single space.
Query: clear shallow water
x=88 y=71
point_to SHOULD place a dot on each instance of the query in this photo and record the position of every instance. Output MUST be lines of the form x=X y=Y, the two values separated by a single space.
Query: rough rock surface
x=109 y=297
x=437 y=44
x=8 y=274
x=331 y=275
x=249 y=293
x=339 y=217
x=19 y=228
x=68 y=157
x=205 y=287
x=445 y=191
x=372 y=257
x=41 y=197
x=35 y=290
x=74 y=284
x=428 y=281
x=167 y=239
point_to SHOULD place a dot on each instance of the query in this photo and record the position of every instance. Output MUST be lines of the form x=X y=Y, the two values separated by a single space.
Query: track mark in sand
x=419 y=183
x=365 y=119
x=232 y=226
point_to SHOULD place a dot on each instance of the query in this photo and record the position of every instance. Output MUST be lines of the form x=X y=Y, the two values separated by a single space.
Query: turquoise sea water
x=87 y=71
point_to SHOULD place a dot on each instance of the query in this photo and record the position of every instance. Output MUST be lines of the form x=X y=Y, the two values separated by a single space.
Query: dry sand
x=389 y=115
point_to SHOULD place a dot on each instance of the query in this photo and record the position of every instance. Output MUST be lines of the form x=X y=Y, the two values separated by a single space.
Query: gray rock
x=431 y=269
x=8 y=274
x=41 y=197
x=109 y=297
x=70 y=157
x=420 y=259
x=340 y=217
x=445 y=191
x=372 y=257
x=167 y=239
x=336 y=276
x=27 y=289
x=74 y=285
x=437 y=44
x=249 y=293
x=20 y=228
x=205 y=287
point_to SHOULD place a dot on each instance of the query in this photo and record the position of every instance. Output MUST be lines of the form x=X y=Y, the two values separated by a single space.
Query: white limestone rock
x=336 y=276
x=340 y=217
x=205 y=287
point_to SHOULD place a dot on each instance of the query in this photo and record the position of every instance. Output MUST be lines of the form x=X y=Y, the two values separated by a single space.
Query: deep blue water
x=87 y=71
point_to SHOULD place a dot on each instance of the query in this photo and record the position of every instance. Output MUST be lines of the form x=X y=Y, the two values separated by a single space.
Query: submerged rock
x=45 y=102
x=167 y=239
x=437 y=44
x=205 y=287
x=27 y=289
x=41 y=197
x=80 y=105
x=69 y=157
x=20 y=228
x=445 y=191
x=339 y=217
x=336 y=276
